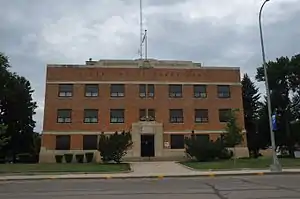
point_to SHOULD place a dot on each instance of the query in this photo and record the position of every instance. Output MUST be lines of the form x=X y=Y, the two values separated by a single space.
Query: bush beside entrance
x=202 y=149
x=114 y=147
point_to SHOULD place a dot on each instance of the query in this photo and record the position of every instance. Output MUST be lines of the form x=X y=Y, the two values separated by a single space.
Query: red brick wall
x=132 y=102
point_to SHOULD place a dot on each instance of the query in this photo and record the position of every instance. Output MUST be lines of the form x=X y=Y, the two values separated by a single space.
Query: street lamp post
x=275 y=167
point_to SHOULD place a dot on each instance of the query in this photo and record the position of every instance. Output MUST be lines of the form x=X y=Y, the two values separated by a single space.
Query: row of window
x=145 y=90
x=118 y=115
x=90 y=142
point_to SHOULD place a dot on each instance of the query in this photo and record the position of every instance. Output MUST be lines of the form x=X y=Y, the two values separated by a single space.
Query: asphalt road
x=254 y=187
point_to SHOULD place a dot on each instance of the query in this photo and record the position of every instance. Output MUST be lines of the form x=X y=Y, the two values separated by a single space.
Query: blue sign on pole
x=274 y=123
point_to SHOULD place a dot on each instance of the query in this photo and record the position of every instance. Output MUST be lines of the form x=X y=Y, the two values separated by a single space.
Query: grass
x=260 y=163
x=62 y=168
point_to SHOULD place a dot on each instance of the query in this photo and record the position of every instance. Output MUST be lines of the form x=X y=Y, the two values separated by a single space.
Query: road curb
x=220 y=170
x=209 y=174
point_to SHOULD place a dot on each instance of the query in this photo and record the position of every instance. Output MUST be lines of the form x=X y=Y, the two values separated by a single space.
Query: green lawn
x=62 y=168
x=260 y=163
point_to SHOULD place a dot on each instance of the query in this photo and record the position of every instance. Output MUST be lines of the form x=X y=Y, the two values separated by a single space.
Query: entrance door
x=147 y=145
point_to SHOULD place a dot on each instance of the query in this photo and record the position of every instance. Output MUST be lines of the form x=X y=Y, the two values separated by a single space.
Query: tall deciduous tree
x=283 y=76
x=251 y=97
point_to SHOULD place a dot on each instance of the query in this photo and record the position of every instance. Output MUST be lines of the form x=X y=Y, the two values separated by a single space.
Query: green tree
x=251 y=98
x=16 y=110
x=3 y=137
x=283 y=76
x=233 y=132
x=263 y=128
x=295 y=107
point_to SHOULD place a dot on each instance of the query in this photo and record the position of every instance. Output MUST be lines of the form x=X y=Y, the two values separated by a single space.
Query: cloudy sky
x=213 y=32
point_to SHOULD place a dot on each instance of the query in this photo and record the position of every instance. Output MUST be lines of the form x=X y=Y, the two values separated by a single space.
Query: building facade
x=160 y=102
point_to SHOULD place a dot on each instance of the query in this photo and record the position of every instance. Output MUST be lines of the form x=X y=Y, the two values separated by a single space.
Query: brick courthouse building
x=160 y=101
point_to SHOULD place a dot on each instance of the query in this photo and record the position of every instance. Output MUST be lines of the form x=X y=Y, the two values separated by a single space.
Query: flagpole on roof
x=141 y=29
x=146 y=44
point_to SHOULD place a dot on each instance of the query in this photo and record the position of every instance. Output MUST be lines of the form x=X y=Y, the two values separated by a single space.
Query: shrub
x=225 y=154
x=89 y=157
x=114 y=147
x=58 y=158
x=203 y=149
x=79 y=158
x=25 y=158
x=2 y=159
x=68 y=157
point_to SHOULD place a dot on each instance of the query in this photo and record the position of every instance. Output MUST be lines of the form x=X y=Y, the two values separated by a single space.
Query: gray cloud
x=34 y=33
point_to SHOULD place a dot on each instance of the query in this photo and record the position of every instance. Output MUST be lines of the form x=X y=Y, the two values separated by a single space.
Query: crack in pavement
x=275 y=186
x=216 y=191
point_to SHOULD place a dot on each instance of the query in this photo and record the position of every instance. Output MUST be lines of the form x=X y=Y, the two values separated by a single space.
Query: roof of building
x=141 y=63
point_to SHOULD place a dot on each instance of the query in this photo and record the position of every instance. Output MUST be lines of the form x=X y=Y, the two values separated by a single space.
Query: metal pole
x=146 y=45
x=141 y=29
x=276 y=167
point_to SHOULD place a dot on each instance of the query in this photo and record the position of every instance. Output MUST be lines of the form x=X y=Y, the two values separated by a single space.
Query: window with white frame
x=64 y=115
x=224 y=91
x=200 y=91
x=117 y=116
x=117 y=90
x=65 y=90
x=175 y=91
x=201 y=115
x=91 y=90
x=142 y=91
x=90 y=116
x=176 y=115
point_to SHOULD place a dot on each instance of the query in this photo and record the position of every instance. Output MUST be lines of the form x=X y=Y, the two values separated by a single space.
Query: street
x=239 y=187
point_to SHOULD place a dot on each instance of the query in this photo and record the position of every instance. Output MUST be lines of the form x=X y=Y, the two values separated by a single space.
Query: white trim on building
x=144 y=82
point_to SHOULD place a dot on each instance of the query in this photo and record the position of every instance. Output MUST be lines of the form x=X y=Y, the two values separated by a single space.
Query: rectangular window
x=63 y=142
x=117 y=116
x=65 y=90
x=151 y=90
x=90 y=116
x=177 y=141
x=147 y=114
x=64 y=116
x=176 y=115
x=224 y=91
x=117 y=90
x=200 y=91
x=142 y=90
x=201 y=115
x=142 y=114
x=204 y=137
x=151 y=114
x=175 y=91
x=90 y=142
x=224 y=115
x=91 y=90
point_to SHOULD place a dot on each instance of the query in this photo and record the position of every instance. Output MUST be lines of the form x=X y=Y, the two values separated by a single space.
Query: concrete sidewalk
x=152 y=170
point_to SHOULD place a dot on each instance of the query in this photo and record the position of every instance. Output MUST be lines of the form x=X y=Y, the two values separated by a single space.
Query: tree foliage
x=3 y=137
x=233 y=132
x=251 y=98
x=114 y=147
x=16 y=110
x=202 y=149
x=284 y=81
